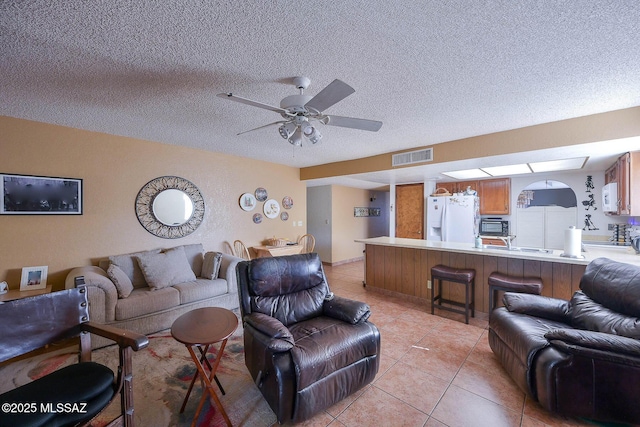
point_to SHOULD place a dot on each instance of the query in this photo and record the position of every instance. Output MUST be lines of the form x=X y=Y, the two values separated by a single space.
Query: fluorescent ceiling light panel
x=508 y=170
x=467 y=174
x=559 y=165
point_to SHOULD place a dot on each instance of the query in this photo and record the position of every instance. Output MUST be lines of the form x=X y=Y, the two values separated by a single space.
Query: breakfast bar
x=403 y=266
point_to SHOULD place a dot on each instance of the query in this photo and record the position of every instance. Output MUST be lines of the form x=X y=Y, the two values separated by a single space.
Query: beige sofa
x=146 y=291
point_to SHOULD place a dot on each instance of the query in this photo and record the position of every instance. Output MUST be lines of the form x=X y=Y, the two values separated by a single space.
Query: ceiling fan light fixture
x=307 y=129
x=286 y=130
x=314 y=136
x=296 y=138
x=310 y=132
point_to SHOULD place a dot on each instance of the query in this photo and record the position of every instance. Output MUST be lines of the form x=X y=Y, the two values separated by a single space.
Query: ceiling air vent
x=411 y=157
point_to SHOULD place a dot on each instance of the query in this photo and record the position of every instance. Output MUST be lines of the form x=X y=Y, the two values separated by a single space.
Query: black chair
x=75 y=394
x=305 y=348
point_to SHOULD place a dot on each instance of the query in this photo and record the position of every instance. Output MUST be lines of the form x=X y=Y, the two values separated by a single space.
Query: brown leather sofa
x=305 y=348
x=581 y=357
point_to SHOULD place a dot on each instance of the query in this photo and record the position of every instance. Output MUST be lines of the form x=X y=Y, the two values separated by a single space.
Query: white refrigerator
x=453 y=218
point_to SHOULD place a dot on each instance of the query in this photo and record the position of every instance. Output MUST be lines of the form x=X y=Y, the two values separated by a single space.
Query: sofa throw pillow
x=129 y=264
x=211 y=265
x=166 y=269
x=121 y=280
x=194 y=256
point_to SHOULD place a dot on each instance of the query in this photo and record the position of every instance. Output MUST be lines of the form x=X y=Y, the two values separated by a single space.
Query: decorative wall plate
x=247 y=202
x=287 y=202
x=261 y=194
x=271 y=208
x=257 y=218
x=284 y=216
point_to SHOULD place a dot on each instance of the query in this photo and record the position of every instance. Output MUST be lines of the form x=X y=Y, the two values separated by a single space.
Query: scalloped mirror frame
x=148 y=219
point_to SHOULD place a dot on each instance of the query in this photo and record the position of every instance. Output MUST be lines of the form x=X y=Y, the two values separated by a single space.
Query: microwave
x=494 y=227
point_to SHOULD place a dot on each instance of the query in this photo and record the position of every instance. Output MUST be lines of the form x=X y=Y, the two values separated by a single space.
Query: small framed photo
x=40 y=195
x=33 y=278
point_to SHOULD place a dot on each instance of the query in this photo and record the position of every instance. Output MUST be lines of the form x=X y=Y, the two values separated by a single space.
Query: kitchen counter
x=403 y=266
x=618 y=253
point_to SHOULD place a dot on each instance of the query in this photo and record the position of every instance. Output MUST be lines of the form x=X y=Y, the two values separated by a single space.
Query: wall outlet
x=428 y=284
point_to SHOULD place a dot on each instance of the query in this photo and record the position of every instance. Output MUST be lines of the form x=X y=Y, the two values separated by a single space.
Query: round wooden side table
x=200 y=328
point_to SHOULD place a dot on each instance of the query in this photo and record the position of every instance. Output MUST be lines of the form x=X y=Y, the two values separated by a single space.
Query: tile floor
x=435 y=370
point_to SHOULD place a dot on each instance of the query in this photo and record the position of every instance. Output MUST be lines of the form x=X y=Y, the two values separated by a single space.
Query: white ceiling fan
x=301 y=112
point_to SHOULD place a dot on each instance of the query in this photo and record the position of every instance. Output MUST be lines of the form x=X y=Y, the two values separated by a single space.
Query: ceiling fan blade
x=350 y=122
x=265 y=126
x=335 y=92
x=242 y=100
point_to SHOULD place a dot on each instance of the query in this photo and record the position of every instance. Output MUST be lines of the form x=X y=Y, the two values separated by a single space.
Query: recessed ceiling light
x=559 y=165
x=507 y=170
x=467 y=174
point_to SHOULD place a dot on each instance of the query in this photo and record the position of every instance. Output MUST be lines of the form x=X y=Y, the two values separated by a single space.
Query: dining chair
x=240 y=250
x=308 y=243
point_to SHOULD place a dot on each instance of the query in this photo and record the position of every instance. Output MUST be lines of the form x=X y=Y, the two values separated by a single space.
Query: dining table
x=270 y=251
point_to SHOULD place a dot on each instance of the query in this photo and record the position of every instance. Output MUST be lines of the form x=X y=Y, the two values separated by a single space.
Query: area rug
x=162 y=374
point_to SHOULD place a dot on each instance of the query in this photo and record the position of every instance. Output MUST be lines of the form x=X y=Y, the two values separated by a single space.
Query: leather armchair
x=305 y=348
x=580 y=357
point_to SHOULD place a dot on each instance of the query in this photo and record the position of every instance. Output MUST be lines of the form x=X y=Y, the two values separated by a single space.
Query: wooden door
x=410 y=211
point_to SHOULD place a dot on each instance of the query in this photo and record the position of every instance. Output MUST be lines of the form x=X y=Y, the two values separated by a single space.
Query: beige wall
x=345 y=227
x=598 y=127
x=330 y=219
x=319 y=221
x=113 y=170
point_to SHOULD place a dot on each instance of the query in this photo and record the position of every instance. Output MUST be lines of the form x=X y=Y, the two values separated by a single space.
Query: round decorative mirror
x=170 y=207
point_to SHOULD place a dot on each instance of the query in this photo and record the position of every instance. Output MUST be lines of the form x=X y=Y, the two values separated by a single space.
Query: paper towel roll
x=573 y=242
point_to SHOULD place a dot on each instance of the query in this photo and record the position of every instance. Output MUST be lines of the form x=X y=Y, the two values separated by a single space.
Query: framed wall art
x=33 y=278
x=40 y=195
x=364 y=212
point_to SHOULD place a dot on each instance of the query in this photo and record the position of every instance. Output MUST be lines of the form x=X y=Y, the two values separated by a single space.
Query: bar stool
x=502 y=282
x=465 y=276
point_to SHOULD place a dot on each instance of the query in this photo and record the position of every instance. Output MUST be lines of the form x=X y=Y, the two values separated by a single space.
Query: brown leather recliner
x=305 y=348
x=580 y=357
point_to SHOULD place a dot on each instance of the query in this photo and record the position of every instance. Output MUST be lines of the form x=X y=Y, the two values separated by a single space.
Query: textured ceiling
x=431 y=71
